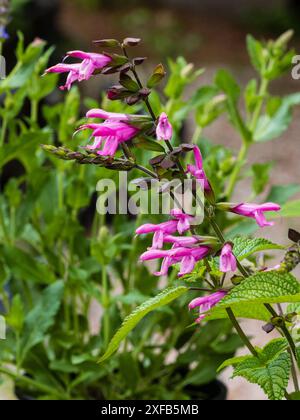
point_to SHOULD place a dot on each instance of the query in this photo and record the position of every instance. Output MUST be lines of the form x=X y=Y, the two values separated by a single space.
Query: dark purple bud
x=126 y=68
x=144 y=93
x=133 y=99
x=294 y=235
x=268 y=328
x=117 y=92
x=157 y=160
x=139 y=60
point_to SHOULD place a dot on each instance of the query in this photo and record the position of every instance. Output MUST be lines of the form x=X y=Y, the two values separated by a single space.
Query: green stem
x=294 y=372
x=105 y=303
x=60 y=189
x=262 y=93
x=34 y=111
x=3 y=131
x=241 y=333
x=34 y=384
x=237 y=169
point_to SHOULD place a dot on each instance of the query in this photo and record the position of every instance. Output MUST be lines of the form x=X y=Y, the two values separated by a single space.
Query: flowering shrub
x=237 y=287
x=210 y=267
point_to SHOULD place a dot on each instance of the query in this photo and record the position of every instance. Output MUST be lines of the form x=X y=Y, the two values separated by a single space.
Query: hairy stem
x=240 y=332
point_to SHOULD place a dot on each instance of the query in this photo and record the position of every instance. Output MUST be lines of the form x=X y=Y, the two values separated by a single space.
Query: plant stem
x=146 y=171
x=3 y=131
x=241 y=333
x=34 y=384
x=34 y=111
x=284 y=330
x=262 y=93
x=294 y=372
x=105 y=303
x=236 y=172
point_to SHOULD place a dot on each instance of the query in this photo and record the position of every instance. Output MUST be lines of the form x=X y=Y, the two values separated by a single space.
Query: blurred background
x=209 y=33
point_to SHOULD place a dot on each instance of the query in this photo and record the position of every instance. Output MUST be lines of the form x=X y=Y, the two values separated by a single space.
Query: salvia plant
x=56 y=265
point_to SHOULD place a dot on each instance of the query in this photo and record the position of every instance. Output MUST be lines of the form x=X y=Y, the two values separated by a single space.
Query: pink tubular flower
x=180 y=223
x=227 y=260
x=164 y=130
x=109 y=134
x=104 y=115
x=256 y=211
x=80 y=71
x=197 y=170
x=187 y=257
x=206 y=303
x=72 y=69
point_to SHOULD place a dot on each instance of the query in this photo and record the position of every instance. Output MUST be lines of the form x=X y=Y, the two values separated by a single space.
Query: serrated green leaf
x=265 y=287
x=271 y=370
x=232 y=362
x=247 y=300
x=132 y=320
x=244 y=247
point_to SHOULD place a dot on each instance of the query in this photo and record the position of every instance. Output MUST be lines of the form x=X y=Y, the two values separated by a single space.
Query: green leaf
x=261 y=176
x=244 y=247
x=16 y=316
x=147 y=143
x=157 y=76
x=232 y=362
x=271 y=370
x=272 y=127
x=162 y=299
x=128 y=83
x=24 y=266
x=256 y=53
x=225 y=81
x=41 y=317
x=247 y=300
x=295 y=396
x=265 y=287
x=282 y=193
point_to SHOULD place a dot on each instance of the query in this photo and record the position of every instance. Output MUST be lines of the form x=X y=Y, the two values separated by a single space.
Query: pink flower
x=80 y=71
x=104 y=115
x=206 y=303
x=164 y=130
x=109 y=135
x=180 y=223
x=187 y=257
x=256 y=211
x=72 y=69
x=197 y=170
x=227 y=260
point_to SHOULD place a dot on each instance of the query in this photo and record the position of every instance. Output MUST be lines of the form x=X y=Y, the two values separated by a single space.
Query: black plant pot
x=214 y=391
